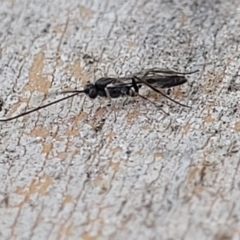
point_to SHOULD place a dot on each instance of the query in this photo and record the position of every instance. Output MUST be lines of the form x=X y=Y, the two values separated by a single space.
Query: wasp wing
x=158 y=77
x=164 y=71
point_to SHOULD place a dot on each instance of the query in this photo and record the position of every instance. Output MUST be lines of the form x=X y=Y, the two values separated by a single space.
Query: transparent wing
x=162 y=72
x=157 y=77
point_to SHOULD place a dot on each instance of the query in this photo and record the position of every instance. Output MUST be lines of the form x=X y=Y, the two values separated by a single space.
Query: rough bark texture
x=66 y=173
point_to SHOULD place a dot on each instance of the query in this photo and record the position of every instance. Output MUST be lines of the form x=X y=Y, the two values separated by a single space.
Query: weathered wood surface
x=143 y=175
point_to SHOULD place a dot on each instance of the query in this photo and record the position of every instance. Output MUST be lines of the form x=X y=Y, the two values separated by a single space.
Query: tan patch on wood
x=85 y=12
x=145 y=127
x=65 y=230
x=111 y=135
x=44 y=183
x=192 y=174
x=62 y=155
x=47 y=147
x=98 y=181
x=211 y=83
x=115 y=165
x=74 y=129
x=39 y=131
x=58 y=29
x=86 y=236
x=125 y=221
x=237 y=126
x=157 y=155
x=20 y=190
x=154 y=95
x=177 y=93
x=186 y=129
x=36 y=80
x=78 y=73
x=208 y=118
x=132 y=115
x=100 y=113
x=67 y=199
x=39 y=186
x=139 y=153
x=184 y=18
x=131 y=44
x=116 y=149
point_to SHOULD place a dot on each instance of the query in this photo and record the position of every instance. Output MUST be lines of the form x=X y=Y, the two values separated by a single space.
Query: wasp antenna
x=72 y=91
x=38 y=108
x=188 y=73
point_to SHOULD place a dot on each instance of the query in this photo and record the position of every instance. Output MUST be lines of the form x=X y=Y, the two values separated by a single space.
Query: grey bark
x=68 y=174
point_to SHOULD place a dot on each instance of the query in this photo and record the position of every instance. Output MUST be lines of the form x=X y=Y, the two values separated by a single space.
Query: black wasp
x=124 y=86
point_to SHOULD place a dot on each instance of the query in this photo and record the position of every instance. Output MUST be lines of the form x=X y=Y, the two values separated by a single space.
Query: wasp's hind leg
x=136 y=87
